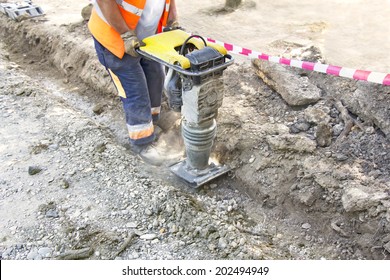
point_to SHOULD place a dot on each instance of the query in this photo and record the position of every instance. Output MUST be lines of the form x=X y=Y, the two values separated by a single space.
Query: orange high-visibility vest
x=131 y=11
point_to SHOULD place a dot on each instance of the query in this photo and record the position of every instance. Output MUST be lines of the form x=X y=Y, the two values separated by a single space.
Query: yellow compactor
x=194 y=86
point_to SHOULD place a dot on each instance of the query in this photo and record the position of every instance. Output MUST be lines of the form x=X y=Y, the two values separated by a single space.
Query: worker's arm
x=112 y=14
x=114 y=17
x=172 y=16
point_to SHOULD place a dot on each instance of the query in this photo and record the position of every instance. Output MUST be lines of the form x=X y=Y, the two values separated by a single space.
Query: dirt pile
x=319 y=157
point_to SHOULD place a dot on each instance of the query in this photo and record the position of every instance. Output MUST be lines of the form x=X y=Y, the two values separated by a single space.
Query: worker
x=118 y=28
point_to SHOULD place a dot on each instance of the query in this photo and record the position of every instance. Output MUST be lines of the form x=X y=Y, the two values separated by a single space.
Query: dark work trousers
x=140 y=85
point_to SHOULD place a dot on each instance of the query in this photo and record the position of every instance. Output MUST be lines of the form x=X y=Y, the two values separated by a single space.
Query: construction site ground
x=310 y=177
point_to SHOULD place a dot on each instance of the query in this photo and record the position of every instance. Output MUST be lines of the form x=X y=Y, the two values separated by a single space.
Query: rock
x=292 y=143
x=33 y=255
x=337 y=129
x=78 y=254
x=13 y=228
x=370 y=130
x=317 y=115
x=356 y=199
x=45 y=252
x=387 y=247
x=173 y=229
x=212 y=247
x=302 y=126
x=53 y=147
x=86 y=12
x=294 y=89
x=149 y=236
x=51 y=213
x=65 y=183
x=308 y=195
x=32 y=170
x=340 y=157
x=370 y=102
x=306 y=226
x=232 y=4
x=324 y=135
x=274 y=129
x=222 y=244
x=7 y=252
x=294 y=129
x=101 y=147
x=375 y=173
x=131 y=225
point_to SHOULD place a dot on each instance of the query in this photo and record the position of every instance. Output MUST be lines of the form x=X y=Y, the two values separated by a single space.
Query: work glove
x=131 y=43
x=172 y=26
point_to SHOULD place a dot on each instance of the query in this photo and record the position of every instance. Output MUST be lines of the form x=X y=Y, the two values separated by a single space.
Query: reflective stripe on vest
x=129 y=8
x=131 y=11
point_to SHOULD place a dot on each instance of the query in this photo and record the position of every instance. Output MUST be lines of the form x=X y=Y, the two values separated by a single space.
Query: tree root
x=338 y=229
x=125 y=244
x=349 y=122
x=79 y=254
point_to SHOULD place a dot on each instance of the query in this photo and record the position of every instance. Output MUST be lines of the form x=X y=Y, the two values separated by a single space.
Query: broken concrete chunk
x=356 y=199
x=324 y=135
x=293 y=143
x=274 y=129
x=294 y=89
x=317 y=115
x=370 y=102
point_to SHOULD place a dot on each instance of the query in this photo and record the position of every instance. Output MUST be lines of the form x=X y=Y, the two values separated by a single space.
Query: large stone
x=292 y=143
x=232 y=3
x=86 y=12
x=274 y=129
x=324 y=135
x=371 y=103
x=356 y=199
x=296 y=90
x=317 y=115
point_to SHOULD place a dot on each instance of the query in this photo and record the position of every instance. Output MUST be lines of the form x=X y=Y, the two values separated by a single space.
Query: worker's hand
x=131 y=42
x=172 y=26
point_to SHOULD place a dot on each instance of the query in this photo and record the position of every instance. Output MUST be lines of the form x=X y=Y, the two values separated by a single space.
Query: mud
x=308 y=181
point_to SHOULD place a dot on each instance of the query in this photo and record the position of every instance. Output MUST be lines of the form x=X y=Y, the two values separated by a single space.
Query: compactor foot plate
x=196 y=178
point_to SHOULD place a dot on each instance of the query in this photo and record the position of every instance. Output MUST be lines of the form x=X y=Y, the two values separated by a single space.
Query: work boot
x=149 y=153
x=157 y=131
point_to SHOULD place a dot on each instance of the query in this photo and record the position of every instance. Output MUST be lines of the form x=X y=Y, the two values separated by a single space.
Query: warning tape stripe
x=369 y=76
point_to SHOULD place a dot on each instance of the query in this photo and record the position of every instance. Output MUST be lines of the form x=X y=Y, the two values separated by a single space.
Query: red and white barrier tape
x=374 y=77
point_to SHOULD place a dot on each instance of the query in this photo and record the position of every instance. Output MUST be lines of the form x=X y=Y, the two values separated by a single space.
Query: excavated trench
x=307 y=191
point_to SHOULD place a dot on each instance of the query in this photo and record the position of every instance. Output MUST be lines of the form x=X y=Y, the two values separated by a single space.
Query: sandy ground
x=350 y=33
